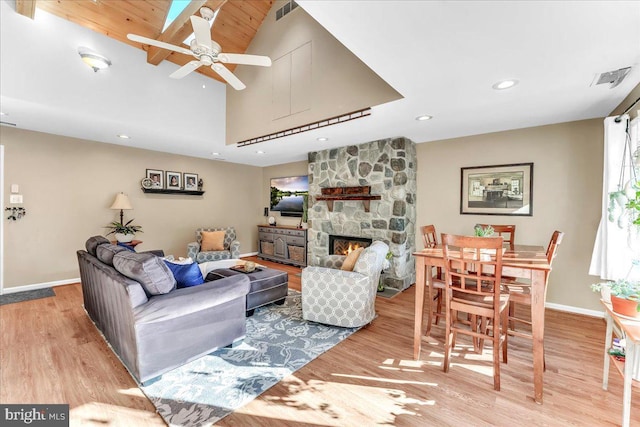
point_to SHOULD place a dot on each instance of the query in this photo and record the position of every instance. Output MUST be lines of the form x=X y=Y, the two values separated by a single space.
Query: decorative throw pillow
x=351 y=259
x=106 y=252
x=147 y=269
x=212 y=241
x=185 y=274
x=93 y=242
x=126 y=247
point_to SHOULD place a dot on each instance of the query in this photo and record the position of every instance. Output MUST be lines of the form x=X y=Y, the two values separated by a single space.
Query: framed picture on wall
x=497 y=190
x=190 y=181
x=173 y=180
x=156 y=177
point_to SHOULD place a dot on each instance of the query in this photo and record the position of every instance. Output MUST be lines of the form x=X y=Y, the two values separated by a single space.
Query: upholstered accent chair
x=344 y=298
x=231 y=248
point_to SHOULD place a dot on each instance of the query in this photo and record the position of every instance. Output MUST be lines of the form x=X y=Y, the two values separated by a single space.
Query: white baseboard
x=248 y=254
x=39 y=286
x=576 y=310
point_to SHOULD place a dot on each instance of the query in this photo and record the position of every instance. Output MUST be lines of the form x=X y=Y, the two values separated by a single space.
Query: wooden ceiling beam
x=26 y=8
x=179 y=29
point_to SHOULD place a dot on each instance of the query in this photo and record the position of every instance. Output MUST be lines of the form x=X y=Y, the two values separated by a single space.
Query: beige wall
x=68 y=185
x=289 y=169
x=567 y=191
x=630 y=99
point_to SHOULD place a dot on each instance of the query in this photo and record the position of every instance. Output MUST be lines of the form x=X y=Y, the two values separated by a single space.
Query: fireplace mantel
x=362 y=193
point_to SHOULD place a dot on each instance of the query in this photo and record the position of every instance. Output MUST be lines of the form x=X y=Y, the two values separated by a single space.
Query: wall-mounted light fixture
x=93 y=59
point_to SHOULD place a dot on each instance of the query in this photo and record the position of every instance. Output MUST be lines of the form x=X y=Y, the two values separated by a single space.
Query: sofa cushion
x=93 y=242
x=106 y=252
x=186 y=274
x=147 y=269
x=350 y=260
x=212 y=241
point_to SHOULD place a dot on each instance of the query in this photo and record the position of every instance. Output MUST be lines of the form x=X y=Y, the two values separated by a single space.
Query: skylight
x=177 y=6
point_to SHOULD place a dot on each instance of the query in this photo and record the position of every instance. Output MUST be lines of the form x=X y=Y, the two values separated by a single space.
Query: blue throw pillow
x=127 y=247
x=186 y=274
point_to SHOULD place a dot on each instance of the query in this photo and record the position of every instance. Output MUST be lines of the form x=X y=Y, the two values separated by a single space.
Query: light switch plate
x=15 y=198
x=15 y=188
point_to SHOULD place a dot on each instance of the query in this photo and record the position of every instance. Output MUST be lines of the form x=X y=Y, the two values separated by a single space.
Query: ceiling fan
x=206 y=51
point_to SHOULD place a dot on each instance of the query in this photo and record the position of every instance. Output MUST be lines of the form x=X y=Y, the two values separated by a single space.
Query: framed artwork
x=497 y=190
x=190 y=181
x=173 y=180
x=156 y=177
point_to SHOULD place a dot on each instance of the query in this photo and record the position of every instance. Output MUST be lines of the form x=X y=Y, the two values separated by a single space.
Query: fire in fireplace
x=343 y=245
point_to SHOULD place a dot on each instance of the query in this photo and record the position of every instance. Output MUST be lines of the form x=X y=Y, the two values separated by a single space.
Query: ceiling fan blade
x=201 y=30
x=241 y=58
x=163 y=45
x=228 y=76
x=185 y=69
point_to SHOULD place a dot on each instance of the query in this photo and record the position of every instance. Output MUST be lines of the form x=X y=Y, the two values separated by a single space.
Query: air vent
x=288 y=7
x=612 y=77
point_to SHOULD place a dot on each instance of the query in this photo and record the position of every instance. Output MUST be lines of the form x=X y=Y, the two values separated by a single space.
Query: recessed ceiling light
x=424 y=117
x=123 y=136
x=204 y=86
x=259 y=152
x=505 y=84
x=322 y=139
x=215 y=153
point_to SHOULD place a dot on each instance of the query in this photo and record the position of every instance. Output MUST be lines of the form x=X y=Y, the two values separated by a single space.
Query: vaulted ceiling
x=442 y=56
x=235 y=26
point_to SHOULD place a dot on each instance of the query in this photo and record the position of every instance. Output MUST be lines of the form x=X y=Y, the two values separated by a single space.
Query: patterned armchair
x=344 y=298
x=231 y=246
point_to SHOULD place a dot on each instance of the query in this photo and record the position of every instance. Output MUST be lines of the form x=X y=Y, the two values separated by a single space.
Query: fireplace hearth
x=343 y=245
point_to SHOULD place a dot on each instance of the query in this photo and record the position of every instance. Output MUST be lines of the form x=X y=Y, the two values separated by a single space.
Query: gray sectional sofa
x=152 y=326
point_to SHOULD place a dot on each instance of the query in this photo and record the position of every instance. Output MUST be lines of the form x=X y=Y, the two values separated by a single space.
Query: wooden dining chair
x=473 y=267
x=504 y=231
x=430 y=240
x=520 y=292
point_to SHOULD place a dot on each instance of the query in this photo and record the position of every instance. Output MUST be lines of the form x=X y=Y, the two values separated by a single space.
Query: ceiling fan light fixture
x=505 y=84
x=93 y=59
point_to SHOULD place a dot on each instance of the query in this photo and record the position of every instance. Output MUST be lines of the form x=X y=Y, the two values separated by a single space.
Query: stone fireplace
x=388 y=167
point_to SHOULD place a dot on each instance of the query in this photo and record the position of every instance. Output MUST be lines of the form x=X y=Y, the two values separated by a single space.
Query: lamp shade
x=121 y=202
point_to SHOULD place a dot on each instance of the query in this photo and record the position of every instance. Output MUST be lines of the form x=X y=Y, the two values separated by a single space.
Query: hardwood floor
x=50 y=352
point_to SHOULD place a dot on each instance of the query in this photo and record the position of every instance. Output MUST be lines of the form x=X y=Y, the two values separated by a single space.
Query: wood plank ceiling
x=234 y=28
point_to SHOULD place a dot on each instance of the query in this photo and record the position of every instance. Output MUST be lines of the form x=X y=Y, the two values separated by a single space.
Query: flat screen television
x=287 y=194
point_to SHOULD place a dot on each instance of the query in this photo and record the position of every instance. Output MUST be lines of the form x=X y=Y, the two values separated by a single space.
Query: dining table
x=519 y=261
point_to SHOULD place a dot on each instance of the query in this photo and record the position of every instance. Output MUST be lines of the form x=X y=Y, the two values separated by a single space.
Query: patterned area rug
x=26 y=296
x=278 y=342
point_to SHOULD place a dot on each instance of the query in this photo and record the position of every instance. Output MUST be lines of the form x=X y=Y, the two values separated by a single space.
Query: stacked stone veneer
x=389 y=167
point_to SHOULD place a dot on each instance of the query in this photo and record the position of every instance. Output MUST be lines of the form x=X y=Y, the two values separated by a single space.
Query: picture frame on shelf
x=157 y=178
x=174 y=180
x=497 y=190
x=190 y=181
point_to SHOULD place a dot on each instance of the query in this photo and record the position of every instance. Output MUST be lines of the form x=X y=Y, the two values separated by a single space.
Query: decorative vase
x=626 y=307
x=124 y=238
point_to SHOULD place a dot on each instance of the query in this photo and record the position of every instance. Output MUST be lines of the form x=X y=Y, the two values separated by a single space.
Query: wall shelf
x=166 y=191
x=347 y=193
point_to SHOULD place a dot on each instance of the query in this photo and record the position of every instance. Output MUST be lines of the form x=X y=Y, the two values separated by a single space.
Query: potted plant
x=487 y=231
x=624 y=295
x=124 y=232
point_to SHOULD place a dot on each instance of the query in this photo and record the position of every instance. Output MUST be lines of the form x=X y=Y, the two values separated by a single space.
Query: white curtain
x=614 y=250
